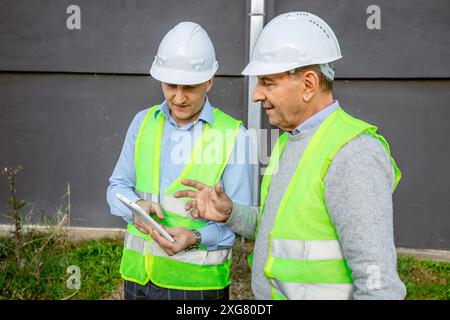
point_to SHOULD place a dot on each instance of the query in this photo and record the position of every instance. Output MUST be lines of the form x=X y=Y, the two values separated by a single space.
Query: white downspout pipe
x=254 y=108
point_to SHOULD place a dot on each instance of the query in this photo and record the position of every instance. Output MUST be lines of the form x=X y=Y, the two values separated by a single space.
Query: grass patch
x=99 y=263
x=425 y=279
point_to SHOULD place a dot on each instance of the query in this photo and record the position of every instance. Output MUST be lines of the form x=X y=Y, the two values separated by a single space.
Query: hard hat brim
x=180 y=77
x=259 y=68
x=256 y=68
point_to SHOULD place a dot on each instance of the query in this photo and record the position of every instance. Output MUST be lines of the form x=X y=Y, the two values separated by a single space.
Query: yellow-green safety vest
x=142 y=258
x=305 y=258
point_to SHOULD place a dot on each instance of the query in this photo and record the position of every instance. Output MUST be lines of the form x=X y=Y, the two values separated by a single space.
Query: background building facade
x=72 y=79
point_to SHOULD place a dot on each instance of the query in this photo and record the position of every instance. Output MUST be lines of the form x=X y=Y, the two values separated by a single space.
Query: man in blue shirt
x=185 y=65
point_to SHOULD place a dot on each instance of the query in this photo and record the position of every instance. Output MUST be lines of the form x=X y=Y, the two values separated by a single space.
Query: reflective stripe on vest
x=175 y=206
x=168 y=203
x=148 y=196
x=306 y=249
x=135 y=243
x=201 y=257
x=312 y=291
x=142 y=258
x=305 y=258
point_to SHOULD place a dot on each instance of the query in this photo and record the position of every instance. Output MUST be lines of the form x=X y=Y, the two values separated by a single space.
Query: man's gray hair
x=324 y=81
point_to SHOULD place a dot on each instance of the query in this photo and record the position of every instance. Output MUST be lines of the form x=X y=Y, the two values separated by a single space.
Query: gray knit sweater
x=358 y=194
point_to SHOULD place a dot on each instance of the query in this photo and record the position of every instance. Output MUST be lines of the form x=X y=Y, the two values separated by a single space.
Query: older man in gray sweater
x=325 y=226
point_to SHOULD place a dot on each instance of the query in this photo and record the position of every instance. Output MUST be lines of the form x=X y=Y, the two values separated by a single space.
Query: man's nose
x=258 y=94
x=179 y=95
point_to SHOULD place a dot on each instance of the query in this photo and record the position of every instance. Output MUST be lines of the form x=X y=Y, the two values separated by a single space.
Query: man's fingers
x=185 y=194
x=191 y=204
x=150 y=230
x=166 y=245
x=194 y=213
x=191 y=207
x=157 y=209
x=160 y=239
x=140 y=226
x=219 y=189
x=194 y=184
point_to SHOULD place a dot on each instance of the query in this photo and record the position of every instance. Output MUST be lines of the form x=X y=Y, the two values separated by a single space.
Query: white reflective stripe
x=306 y=249
x=314 y=291
x=147 y=196
x=175 y=206
x=200 y=257
x=168 y=203
x=135 y=243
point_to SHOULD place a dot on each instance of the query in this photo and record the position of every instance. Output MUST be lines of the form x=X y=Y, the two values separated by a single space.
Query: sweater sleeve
x=358 y=194
x=244 y=220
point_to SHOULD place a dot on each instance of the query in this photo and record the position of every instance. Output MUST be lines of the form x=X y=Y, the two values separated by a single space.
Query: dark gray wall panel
x=413 y=116
x=71 y=128
x=116 y=36
x=413 y=42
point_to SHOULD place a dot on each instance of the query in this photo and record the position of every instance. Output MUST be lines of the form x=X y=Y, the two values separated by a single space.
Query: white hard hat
x=292 y=40
x=185 y=56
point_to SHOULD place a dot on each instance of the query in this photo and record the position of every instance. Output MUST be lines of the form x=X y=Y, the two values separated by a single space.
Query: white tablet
x=144 y=216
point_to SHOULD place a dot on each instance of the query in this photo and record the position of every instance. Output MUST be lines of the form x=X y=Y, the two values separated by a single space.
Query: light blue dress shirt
x=177 y=142
x=317 y=118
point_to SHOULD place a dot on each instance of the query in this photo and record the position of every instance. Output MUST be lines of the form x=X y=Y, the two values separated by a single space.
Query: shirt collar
x=316 y=119
x=206 y=115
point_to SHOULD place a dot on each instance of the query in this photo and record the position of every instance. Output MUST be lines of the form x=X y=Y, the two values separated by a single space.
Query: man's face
x=185 y=101
x=280 y=95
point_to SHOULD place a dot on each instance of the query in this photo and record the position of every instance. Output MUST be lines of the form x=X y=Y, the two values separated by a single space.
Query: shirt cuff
x=215 y=236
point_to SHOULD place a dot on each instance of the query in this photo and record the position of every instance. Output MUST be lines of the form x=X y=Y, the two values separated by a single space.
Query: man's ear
x=209 y=84
x=311 y=85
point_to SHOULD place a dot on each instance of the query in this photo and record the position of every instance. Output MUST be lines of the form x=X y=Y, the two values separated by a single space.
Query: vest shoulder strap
x=223 y=120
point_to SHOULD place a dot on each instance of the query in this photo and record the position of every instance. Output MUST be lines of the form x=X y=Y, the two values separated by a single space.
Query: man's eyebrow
x=265 y=78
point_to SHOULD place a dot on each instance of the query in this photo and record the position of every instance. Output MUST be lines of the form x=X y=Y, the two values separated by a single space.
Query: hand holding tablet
x=144 y=216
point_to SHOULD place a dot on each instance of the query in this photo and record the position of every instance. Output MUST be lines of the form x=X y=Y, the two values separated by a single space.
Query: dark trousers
x=135 y=291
